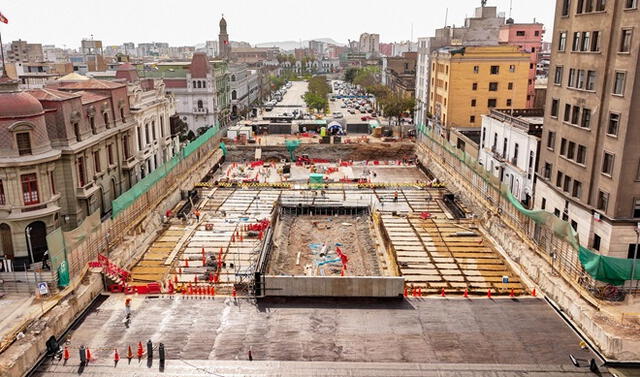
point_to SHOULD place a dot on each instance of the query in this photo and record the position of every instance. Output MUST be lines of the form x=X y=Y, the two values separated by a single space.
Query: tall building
x=22 y=52
x=466 y=82
x=529 y=38
x=224 y=46
x=370 y=44
x=399 y=74
x=317 y=47
x=590 y=161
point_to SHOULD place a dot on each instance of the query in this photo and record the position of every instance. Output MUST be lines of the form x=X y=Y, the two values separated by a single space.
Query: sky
x=188 y=22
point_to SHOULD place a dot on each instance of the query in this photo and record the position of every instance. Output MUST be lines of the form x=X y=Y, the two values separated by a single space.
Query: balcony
x=86 y=191
x=129 y=163
x=496 y=155
x=201 y=110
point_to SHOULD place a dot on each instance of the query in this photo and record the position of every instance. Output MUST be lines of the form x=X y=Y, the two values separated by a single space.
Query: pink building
x=529 y=38
x=386 y=49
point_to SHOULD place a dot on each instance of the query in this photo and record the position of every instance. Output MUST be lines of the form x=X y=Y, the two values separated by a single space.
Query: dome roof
x=18 y=105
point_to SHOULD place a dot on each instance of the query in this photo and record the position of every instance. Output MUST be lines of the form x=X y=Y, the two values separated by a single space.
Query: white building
x=399 y=48
x=239 y=80
x=509 y=144
x=423 y=72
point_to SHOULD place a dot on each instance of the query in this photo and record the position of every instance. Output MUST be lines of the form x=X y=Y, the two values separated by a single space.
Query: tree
x=394 y=106
x=350 y=74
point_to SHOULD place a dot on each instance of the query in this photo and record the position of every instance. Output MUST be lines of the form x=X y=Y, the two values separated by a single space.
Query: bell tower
x=224 y=46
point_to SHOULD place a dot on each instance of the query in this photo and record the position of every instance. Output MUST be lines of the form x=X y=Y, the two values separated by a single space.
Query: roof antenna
x=446 y=16
x=510 y=7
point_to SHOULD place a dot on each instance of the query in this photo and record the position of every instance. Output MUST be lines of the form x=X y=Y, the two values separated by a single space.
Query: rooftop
x=529 y=120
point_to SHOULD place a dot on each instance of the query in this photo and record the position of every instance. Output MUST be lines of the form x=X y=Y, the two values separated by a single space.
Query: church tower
x=224 y=46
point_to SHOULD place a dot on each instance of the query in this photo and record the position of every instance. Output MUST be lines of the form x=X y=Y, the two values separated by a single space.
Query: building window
x=543 y=205
x=575 y=115
x=161 y=126
x=636 y=207
x=110 y=154
x=82 y=178
x=546 y=173
x=492 y=102
x=23 y=141
x=557 y=78
x=573 y=78
x=495 y=69
x=139 y=134
x=591 y=80
x=607 y=163
x=586 y=38
x=125 y=146
x=476 y=69
x=586 y=118
x=582 y=77
x=581 y=156
x=473 y=102
x=577 y=189
x=520 y=33
x=618 y=84
x=551 y=140
x=603 y=201
x=576 y=41
x=596 y=242
x=106 y=119
x=571 y=150
x=122 y=114
x=472 y=119
x=562 y=41
x=96 y=161
x=579 y=6
x=567 y=112
x=508 y=102
x=595 y=41
x=153 y=129
x=201 y=104
x=512 y=68
x=574 y=225
x=567 y=183
x=30 y=189
x=563 y=147
x=493 y=86
x=625 y=40
x=614 y=124
x=474 y=86
x=92 y=124
x=559 y=178
x=630 y=4
x=146 y=134
x=76 y=130
x=3 y=198
x=566 y=4
x=52 y=181
x=554 y=107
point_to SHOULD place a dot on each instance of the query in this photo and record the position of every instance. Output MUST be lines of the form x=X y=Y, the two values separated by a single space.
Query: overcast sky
x=190 y=22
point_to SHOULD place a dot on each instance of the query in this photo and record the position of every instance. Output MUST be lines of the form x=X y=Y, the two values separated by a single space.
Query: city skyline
x=53 y=26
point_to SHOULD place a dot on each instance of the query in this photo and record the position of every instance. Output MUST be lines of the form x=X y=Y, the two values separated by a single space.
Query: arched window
x=92 y=123
x=233 y=77
x=234 y=95
x=194 y=83
x=122 y=114
x=199 y=84
x=23 y=140
x=200 y=104
x=204 y=84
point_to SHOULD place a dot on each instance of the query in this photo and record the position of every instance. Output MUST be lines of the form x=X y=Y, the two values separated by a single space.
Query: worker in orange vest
x=197 y=213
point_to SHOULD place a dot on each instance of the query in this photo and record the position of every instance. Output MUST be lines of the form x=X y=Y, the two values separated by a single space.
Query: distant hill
x=290 y=45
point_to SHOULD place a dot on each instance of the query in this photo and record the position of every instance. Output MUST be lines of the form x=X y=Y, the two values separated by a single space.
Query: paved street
x=434 y=331
x=292 y=100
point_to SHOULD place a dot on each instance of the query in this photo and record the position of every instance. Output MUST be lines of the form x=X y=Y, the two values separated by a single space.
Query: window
x=586 y=38
x=546 y=173
x=472 y=119
x=473 y=102
x=576 y=41
x=474 y=86
x=559 y=177
x=106 y=119
x=551 y=140
x=30 y=189
x=567 y=183
x=567 y=112
x=595 y=41
x=581 y=78
x=554 y=107
x=600 y=5
x=96 y=161
x=3 y=198
x=596 y=242
x=579 y=6
x=563 y=147
x=543 y=204
x=586 y=118
x=581 y=156
x=536 y=33
x=574 y=225
x=603 y=201
x=591 y=80
x=125 y=146
x=575 y=115
x=577 y=189
x=614 y=124
x=491 y=102
x=508 y=101
x=110 y=154
x=122 y=114
x=23 y=141
x=510 y=86
x=520 y=33
x=562 y=41
x=556 y=212
x=92 y=124
x=146 y=134
x=153 y=129
x=516 y=149
x=630 y=4
x=161 y=126
x=625 y=40
x=636 y=207
x=633 y=251
x=565 y=7
x=573 y=78
x=557 y=78
x=495 y=69
x=512 y=68
x=76 y=130
x=571 y=150
x=139 y=134
x=607 y=163
x=493 y=86
x=82 y=178
x=618 y=83
x=476 y=69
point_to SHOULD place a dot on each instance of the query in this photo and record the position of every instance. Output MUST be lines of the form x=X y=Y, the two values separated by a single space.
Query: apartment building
x=467 y=82
x=589 y=170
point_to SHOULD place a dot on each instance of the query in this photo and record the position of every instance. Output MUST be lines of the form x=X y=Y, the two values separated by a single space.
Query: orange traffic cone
x=129 y=353
x=512 y=294
x=466 y=293
x=420 y=291
x=533 y=292
x=233 y=238
x=489 y=293
x=140 y=350
x=241 y=239
x=213 y=291
x=66 y=354
x=195 y=279
x=405 y=292
x=116 y=356
x=442 y=293
x=88 y=355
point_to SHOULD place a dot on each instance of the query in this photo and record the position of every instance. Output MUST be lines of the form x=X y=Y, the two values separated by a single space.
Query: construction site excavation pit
x=311 y=241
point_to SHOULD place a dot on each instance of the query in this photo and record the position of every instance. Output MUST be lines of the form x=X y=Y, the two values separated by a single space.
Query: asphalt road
x=525 y=334
x=292 y=99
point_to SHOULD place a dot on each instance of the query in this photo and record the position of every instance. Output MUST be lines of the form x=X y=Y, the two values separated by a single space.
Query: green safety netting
x=602 y=268
x=126 y=199
x=292 y=145
x=223 y=146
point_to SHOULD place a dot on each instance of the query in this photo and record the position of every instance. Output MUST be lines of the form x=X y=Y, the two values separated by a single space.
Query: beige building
x=589 y=171
x=21 y=51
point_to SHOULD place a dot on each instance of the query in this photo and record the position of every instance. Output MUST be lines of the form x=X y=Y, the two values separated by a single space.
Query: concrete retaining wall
x=329 y=286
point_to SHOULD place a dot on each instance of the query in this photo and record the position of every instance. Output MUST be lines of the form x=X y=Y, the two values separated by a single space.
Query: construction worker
x=395 y=196
x=197 y=213
x=127 y=307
